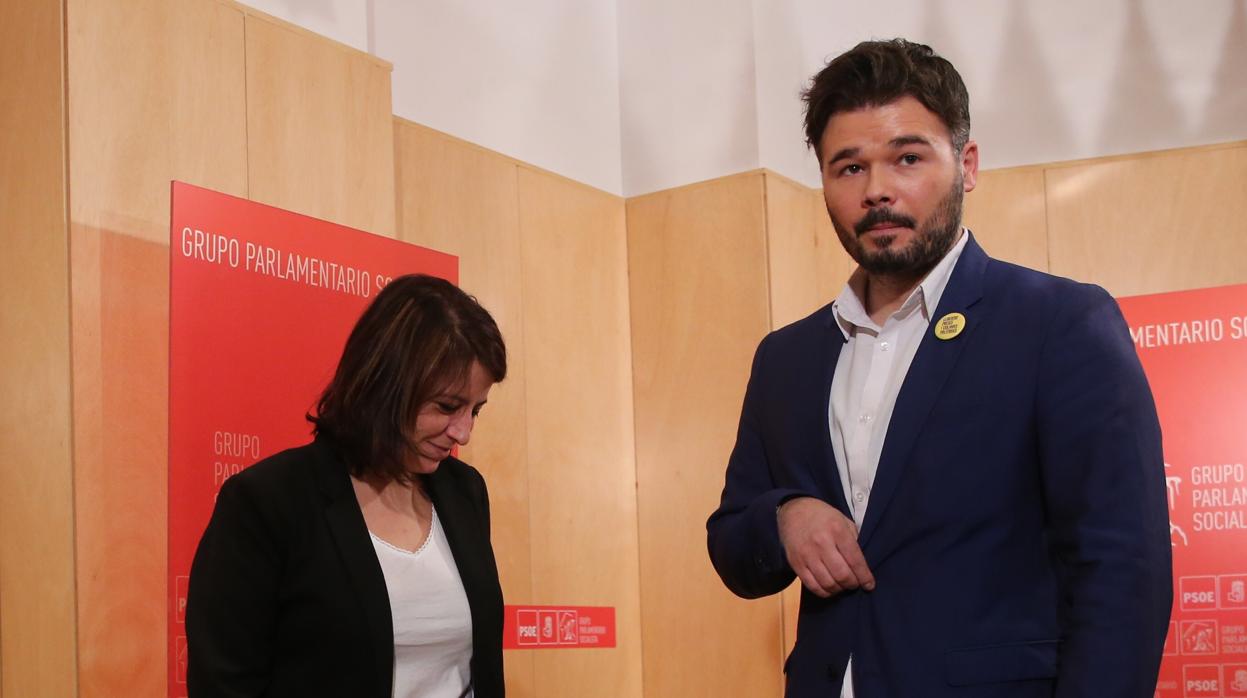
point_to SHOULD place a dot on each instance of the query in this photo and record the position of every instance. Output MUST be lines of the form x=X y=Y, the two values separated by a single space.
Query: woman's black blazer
x=286 y=595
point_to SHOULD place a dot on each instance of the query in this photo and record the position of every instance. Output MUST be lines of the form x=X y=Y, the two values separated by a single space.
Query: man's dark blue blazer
x=1018 y=524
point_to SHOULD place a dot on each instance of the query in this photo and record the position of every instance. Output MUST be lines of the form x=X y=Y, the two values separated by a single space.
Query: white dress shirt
x=872 y=366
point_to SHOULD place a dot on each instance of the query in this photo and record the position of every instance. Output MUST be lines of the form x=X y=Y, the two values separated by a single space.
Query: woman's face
x=446 y=420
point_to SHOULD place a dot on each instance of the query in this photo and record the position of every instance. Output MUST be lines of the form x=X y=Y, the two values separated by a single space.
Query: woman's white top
x=432 y=619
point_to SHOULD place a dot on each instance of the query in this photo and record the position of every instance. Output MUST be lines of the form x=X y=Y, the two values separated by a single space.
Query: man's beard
x=927 y=247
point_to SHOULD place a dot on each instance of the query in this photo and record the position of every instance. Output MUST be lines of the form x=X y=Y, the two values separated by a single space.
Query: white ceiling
x=633 y=96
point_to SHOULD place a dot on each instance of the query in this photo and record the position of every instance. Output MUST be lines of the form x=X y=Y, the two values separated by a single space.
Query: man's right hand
x=821 y=545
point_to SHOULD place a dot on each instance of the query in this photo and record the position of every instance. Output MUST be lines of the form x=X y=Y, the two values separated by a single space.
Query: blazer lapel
x=928 y=373
x=359 y=559
x=468 y=543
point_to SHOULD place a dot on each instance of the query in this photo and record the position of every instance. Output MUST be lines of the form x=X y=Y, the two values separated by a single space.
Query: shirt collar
x=849 y=307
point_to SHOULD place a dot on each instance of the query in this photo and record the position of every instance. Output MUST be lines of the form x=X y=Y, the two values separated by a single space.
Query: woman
x=360 y=564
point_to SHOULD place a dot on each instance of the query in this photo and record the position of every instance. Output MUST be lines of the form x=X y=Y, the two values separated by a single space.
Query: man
x=958 y=457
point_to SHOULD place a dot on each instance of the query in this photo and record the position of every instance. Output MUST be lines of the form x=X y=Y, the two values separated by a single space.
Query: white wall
x=633 y=96
x=537 y=80
x=1050 y=81
x=687 y=91
x=344 y=21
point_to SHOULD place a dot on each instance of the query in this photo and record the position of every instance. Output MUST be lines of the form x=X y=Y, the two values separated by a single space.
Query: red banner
x=558 y=627
x=1193 y=345
x=260 y=303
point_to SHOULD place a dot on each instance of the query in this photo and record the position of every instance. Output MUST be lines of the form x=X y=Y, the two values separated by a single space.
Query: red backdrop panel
x=1193 y=345
x=558 y=627
x=261 y=302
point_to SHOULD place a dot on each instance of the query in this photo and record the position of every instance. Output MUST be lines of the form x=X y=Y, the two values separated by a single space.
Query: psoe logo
x=546 y=633
x=1201 y=681
x=1198 y=593
x=180 y=585
x=1199 y=637
x=1233 y=590
x=1235 y=676
x=526 y=628
x=180 y=654
x=568 y=634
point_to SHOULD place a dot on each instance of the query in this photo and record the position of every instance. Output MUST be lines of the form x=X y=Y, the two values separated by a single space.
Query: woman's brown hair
x=418 y=337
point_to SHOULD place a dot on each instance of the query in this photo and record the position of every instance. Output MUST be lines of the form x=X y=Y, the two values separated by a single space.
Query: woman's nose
x=460 y=428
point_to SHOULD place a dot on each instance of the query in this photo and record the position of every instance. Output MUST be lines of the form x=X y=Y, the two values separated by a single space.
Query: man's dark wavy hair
x=875 y=73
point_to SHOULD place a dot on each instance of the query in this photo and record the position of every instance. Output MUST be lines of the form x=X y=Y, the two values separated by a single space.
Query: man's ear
x=970 y=165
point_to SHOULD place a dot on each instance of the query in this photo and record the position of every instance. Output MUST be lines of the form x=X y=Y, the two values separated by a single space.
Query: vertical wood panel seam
x=69 y=332
x=636 y=450
x=636 y=446
x=766 y=253
x=395 y=137
x=1047 y=216
x=246 y=107
x=524 y=400
x=770 y=325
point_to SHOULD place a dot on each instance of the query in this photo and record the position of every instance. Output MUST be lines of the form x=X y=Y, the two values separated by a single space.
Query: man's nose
x=879 y=190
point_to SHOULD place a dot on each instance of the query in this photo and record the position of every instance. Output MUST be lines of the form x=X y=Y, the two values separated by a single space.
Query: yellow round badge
x=950 y=325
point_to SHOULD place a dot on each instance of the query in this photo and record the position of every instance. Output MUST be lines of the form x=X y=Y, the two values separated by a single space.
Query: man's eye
x=909 y=158
x=850 y=169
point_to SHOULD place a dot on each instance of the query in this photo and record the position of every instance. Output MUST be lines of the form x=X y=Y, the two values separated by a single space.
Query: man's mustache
x=875 y=216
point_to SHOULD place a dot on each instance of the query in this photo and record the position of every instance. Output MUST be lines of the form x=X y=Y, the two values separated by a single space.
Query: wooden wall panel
x=808 y=268
x=800 y=236
x=319 y=127
x=1150 y=223
x=1006 y=213
x=122 y=490
x=808 y=265
x=697 y=262
x=792 y=251
x=462 y=199
x=595 y=502
x=582 y=468
x=156 y=92
x=37 y=621
x=790 y=600
x=834 y=264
